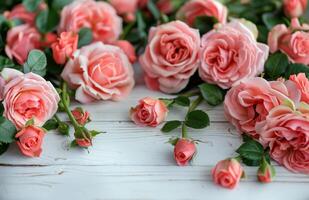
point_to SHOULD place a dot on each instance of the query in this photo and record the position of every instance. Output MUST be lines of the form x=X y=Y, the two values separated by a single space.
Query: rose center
x=28 y=105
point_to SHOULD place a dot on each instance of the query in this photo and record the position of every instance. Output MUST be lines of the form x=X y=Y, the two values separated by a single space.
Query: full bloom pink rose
x=149 y=112
x=230 y=54
x=227 y=173
x=292 y=41
x=100 y=17
x=125 y=8
x=64 y=47
x=85 y=142
x=81 y=116
x=251 y=100
x=20 y=41
x=286 y=132
x=171 y=56
x=294 y=8
x=302 y=84
x=30 y=141
x=128 y=49
x=195 y=8
x=184 y=151
x=19 y=12
x=28 y=96
x=99 y=72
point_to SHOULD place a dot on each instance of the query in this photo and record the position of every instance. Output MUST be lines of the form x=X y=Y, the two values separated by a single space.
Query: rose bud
x=64 y=47
x=128 y=49
x=227 y=173
x=30 y=141
x=81 y=116
x=294 y=8
x=266 y=172
x=184 y=151
x=85 y=142
x=83 y=137
x=149 y=112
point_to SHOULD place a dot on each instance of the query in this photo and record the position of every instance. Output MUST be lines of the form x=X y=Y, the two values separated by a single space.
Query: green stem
x=127 y=29
x=191 y=93
x=195 y=103
x=57 y=118
x=184 y=130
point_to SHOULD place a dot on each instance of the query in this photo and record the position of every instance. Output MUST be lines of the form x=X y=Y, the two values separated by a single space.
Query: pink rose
x=292 y=41
x=20 y=12
x=64 y=47
x=294 y=8
x=227 y=173
x=48 y=39
x=128 y=49
x=265 y=172
x=184 y=151
x=28 y=96
x=100 y=17
x=81 y=116
x=302 y=84
x=196 y=8
x=20 y=41
x=251 y=100
x=99 y=72
x=30 y=140
x=149 y=112
x=126 y=8
x=165 y=6
x=85 y=142
x=286 y=132
x=230 y=54
x=171 y=56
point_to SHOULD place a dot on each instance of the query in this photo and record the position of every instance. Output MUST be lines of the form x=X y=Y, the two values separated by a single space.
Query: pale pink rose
x=294 y=8
x=20 y=41
x=302 y=84
x=84 y=142
x=251 y=100
x=81 y=116
x=286 y=132
x=149 y=112
x=227 y=173
x=128 y=49
x=64 y=47
x=100 y=17
x=125 y=8
x=28 y=96
x=171 y=56
x=99 y=72
x=230 y=54
x=184 y=151
x=29 y=141
x=20 y=12
x=196 y=8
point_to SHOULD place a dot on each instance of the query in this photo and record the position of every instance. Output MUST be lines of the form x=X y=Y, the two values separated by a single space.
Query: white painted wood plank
x=145 y=182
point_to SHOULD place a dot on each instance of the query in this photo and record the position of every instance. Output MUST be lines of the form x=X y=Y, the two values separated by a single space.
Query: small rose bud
x=85 y=142
x=266 y=172
x=83 y=137
x=184 y=151
x=81 y=116
x=227 y=173
x=294 y=8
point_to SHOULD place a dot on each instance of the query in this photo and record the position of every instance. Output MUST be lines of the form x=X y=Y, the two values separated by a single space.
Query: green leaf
x=182 y=101
x=168 y=102
x=170 y=125
x=296 y=69
x=251 y=150
x=73 y=144
x=276 y=65
x=173 y=141
x=30 y=122
x=84 y=37
x=51 y=124
x=213 y=94
x=153 y=9
x=59 y=4
x=197 y=119
x=47 y=20
x=6 y=63
x=36 y=63
x=3 y=147
x=95 y=133
x=31 y=5
x=272 y=19
x=7 y=130
x=204 y=24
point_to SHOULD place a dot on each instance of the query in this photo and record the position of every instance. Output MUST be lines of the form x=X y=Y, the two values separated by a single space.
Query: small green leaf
x=197 y=119
x=3 y=147
x=251 y=150
x=296 y=69
x=95 y=133
x=170 y=125
x=84 y=37
x=7 y=130
x=173 y=141
x=47 y=20
x=276 y=65
x=168 y=102
x=31 y=5
x=36 y=63
x=51 y=124
x=30 y=122
x=182 y=101
x=73 y=144
x=213 y=94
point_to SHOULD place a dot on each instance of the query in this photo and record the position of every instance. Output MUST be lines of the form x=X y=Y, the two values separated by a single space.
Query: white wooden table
x=130 y=162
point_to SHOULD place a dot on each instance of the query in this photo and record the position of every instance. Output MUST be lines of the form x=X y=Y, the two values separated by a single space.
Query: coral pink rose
x=48 y=39
x=171 y=56
x=128 y=49
x=294 y=8
x=196 y=8
x=19 y=12
x=302 y=84
x=230 y=54
x=28 y=96
x=84 y=142
x=292 y=41
x=251 y=100
x=100 y=17
x=125 y=8
x=30 y=141
x=286 y=132
x=20 y=41
x=184 y=151
x=64 y=47
x=81 y=116
x=149 y=112
x=99 y=72
x=227 y=173
x=266 y=172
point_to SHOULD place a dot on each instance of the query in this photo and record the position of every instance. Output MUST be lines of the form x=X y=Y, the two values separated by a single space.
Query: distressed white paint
x=130 y=162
